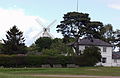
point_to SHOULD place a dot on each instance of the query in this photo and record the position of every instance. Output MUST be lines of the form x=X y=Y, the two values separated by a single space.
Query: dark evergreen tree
x=108 y=34
x=117 y=33
x=15 y=42
x=78 y=25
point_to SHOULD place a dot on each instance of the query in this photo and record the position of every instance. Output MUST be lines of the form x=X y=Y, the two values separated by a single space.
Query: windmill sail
x=46 y=30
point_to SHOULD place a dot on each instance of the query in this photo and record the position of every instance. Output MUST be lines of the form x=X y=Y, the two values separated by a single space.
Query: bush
x=38 y=61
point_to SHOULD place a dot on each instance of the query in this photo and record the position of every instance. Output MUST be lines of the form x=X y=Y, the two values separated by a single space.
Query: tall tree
x=93 y=29
x=15 y=42
x=78 y=25
x=108 y=34
x=117 y=33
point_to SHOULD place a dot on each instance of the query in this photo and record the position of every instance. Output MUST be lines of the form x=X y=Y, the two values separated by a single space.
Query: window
x=104 y=49
x=115 y=60
x=103 y=60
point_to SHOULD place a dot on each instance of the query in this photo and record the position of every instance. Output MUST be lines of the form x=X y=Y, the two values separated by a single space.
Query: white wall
x=107 y=55
x=116 y=62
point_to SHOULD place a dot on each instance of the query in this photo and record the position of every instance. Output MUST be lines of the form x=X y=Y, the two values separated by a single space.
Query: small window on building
x=115 y=60
x=103 y=60
x=104 y=49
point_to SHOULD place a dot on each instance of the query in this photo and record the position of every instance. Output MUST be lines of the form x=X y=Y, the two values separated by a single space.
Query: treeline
x=73 y=27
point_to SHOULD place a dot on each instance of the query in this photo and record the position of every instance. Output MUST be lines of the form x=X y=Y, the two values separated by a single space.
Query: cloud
x=114 y=6
x=25 y=23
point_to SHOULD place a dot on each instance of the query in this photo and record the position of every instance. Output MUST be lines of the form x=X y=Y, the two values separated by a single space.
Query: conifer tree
x=14 y=44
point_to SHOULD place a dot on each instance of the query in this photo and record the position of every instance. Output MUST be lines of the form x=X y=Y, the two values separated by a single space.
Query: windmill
x=46 y=30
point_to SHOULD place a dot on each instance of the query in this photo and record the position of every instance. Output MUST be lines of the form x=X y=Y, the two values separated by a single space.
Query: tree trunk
x=76 y=46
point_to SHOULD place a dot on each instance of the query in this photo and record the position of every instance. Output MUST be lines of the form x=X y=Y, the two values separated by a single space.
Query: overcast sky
x=23 y=13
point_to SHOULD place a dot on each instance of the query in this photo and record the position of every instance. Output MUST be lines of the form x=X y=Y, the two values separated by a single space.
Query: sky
x=23 y=13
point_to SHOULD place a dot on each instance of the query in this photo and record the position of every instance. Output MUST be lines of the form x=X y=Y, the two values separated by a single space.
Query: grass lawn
x=21 y=72
x=3 y=75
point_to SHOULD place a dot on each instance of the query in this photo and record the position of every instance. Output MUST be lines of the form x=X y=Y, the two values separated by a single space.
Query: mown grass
x=4 y=75
x=21 y=72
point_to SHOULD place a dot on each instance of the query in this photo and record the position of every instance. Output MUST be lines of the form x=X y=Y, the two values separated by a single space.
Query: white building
x=116 y=59
x=106 y=50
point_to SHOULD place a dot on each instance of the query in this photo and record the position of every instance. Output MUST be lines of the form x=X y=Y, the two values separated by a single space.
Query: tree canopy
x=43 y=43
x=78 y=25
x=14 y=44
x=58 y=48
x=93 y=53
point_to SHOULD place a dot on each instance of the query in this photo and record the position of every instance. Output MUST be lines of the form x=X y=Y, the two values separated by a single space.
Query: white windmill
x=46 y=30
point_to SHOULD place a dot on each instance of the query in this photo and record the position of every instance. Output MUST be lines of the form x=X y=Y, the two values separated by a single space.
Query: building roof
x=116 y=55
x=94 y=42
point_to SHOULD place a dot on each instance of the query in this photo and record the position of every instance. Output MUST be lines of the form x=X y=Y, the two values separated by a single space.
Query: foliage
x=73 y=24
x=37 y=61
x=32 y=48
x=1 y=46
x=68 y=39
x=58 y=48
x=108 y=34
x=50 y=52
x=43 y=43
x=93 y=53
x=15 y=42
x=118 y=38
x=78 y=25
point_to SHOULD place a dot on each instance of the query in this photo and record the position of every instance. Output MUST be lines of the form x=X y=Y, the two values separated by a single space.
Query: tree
x=43 y=43
x=78 y=25
x=93 y=30
x=1 y=46
x=117 y=34
x=108 y=34
x=58 y=48
x=15 y=42
x=93 y=53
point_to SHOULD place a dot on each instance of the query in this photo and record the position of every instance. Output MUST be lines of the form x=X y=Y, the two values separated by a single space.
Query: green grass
x=3 y=75
x=21 y=72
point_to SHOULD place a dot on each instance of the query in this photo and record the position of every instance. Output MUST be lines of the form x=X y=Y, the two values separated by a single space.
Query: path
x=77 y=76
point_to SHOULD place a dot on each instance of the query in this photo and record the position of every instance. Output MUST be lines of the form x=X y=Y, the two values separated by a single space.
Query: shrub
x=38 y=61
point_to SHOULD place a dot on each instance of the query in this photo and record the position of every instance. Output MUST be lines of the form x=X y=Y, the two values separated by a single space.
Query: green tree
x=93 y=53
x=1 y=46
x=78 y=25
x=58 y=48
x=32 y=48
x=117 y=43
x=108 y=34
x=15 y=42
x=43 y=43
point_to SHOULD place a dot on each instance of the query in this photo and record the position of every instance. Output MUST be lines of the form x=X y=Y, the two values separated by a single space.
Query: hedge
x=37 y=61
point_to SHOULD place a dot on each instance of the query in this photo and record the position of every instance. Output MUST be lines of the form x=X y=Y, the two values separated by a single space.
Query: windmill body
x=46 y=33
x=46 y=30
